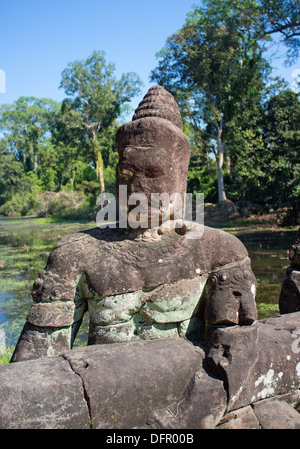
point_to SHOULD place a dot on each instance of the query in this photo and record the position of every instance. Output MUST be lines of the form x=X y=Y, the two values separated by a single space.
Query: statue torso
x=141 y=287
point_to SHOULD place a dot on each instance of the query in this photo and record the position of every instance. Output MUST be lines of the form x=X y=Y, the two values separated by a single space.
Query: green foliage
x=26 y=125
x=243 y=126
x=214 y=67
x=70 y=147
x=12 y=174
x=22 y=203
x=96 y=100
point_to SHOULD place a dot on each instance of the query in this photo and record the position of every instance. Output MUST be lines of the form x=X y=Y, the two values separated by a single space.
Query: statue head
x=153 y=151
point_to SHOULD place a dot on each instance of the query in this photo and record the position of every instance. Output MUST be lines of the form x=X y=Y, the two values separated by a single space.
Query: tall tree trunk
x=220 y=160
x=35 y=163
x=99 y=162
x=228 y=163
x=100 y=167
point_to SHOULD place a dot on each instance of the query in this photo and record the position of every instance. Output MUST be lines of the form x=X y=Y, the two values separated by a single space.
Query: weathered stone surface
x=49 y=286
x=144 y=283
x=173 y=303
x=42 y=394
x=200 y=408
x=243 y=418
x=232 y=295
x=115 y=309
x=35 y=342
x=277 y=368
x=292 y=399
x=58 y=314
x=159 y=103
x=159 y=384
x=232 y=352
x=116 y=333
x=289 y=300
x=274 y=414
x=125 y=382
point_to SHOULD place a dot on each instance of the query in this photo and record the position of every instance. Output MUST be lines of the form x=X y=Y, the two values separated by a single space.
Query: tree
x=215 y=69
x=26 y=125
x=263 y=19
x=280 y=17
x=96 y=100
x=12 y=174
x=281 y=132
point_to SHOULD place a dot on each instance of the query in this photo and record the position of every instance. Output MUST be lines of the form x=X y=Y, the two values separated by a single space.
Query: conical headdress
x=158 y=102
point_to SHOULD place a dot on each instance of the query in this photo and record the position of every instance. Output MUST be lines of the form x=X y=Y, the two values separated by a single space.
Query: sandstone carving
x=145 y=283
x=174 y=341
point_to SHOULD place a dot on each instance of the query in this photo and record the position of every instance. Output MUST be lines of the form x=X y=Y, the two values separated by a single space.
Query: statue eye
x=213 y=280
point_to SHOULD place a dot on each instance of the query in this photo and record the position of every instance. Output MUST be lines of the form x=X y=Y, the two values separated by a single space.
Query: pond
x=25 y=244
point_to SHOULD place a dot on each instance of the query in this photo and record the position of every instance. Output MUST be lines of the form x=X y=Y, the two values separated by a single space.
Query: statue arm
x=55 y=315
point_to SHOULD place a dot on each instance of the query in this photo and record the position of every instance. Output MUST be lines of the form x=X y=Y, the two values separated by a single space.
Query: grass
x=6 y=355
x=7 y=335
x=265 y=310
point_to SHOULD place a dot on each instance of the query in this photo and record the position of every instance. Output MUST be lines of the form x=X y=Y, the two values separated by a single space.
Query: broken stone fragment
x=125 y=382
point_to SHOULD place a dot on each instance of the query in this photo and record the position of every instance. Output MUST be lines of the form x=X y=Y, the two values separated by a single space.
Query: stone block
x=274 y=414
x=200 y=408
x=125 y=382
x=277 y=368
x=42 y=394
x=231 y=356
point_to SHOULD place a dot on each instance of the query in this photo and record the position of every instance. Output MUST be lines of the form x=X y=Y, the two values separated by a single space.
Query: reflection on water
x=25 y=245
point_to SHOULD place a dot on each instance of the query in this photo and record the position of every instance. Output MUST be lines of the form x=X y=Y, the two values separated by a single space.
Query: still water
x=25 y=245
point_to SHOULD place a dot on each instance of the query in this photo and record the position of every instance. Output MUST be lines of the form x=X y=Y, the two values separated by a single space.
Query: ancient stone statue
x=289 y=300
x=144 y=283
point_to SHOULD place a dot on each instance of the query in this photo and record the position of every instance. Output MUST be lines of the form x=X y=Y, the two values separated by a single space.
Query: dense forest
x=243 y=123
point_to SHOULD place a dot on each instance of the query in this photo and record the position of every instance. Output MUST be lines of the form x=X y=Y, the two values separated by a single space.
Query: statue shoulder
x=219 y=247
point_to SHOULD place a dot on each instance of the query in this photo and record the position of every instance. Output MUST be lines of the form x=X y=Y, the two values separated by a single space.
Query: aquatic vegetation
x=24 y=250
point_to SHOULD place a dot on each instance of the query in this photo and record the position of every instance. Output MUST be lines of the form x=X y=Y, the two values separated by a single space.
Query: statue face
x=153 y=158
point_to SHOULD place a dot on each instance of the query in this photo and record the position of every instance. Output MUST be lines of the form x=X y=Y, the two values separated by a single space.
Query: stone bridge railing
x=162 y=384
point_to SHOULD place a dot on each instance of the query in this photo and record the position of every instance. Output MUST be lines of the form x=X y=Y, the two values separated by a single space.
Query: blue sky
x=38 y=38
